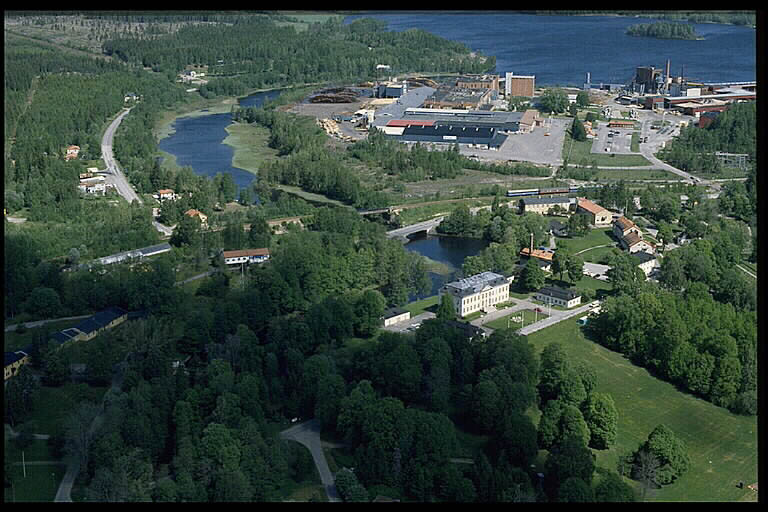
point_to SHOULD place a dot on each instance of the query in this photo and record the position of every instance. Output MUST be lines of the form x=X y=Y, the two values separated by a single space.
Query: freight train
x=548 y=191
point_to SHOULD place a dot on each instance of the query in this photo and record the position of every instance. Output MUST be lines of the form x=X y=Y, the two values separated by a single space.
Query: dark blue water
x=560 y=50
x=197 y=142
x=449 y=250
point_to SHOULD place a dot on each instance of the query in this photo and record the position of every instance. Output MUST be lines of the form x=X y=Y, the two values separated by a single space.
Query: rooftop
x=643 y=257
x=389 y=313
x=12 y=357
x=246 y=252
x=625 y=223
x=476 y=283
x=545 y=200
x=590 y=206
x=632 y=238
x=558 y=293
x=537 y=253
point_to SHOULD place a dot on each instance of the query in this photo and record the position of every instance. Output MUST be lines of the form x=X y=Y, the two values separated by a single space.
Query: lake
x=448 y=250
x=560 y=50
x=197 y=142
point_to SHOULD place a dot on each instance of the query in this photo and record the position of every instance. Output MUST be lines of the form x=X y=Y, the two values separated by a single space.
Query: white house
x=395 y=316
x=558 y=296
x=647 y=262
x=477 y=293
x=246 y=256
x=634 y=243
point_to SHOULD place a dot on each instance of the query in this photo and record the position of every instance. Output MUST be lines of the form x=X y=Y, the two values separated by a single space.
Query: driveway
x=308 y=434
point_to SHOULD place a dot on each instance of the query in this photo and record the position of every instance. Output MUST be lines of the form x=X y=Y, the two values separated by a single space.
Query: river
x=448 y=250
x=197 y=141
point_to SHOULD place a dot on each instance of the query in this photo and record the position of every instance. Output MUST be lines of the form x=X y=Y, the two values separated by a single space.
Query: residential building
x=101 y=321
x=557 y=228
x=198 y=215
x=165 y=193
x=72 y=152
x=13 y=363
x=477 y=293
x=395 y=315
x=598 y=216
x=646 y=261
x=623 y=226
x=544 y=205
x=65 y=336
x=558 y=296
x=246 y=256
x=543 y=258
x=93 y=185
x=633 y=242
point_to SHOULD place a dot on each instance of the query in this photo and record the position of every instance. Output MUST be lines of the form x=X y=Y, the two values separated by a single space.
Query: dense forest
x=663 y=30
x=331 y=51
x=733 y=131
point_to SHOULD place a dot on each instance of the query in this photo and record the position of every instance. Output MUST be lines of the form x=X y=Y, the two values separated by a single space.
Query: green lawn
x=710 y=433
x=597 y=254
x=55 y=404
x=37 y=451
x=420 y=306
x=580 y=152
x=595 y=237
x=634 y=174
x=40 y=484
x=528 y=317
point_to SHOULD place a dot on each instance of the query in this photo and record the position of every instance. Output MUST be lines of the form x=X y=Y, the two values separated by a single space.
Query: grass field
x=55 y=404
x=579 y=152
x=528 y=317
x=634 y=174
x=722 y=446
x=420 y=306
x=250 y=142
x=595 y=237
x=40 y=484
x=597 y=254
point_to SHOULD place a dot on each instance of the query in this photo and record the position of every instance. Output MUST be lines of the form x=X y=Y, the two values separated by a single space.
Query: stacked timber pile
x=422 y=81
x=338 y=95
x=330 y=126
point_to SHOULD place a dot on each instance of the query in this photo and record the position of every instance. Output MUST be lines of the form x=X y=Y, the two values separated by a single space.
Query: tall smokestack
x=666 y=79
x=531 y=243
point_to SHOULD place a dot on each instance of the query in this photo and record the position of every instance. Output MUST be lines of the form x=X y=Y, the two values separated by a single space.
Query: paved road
x=38 y=323
x=308 y=434
x=115 y=175
x=419 y=226
x=198 y=276
x=746 y=271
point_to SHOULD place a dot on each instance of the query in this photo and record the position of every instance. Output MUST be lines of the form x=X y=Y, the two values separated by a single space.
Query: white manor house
x=477 y=292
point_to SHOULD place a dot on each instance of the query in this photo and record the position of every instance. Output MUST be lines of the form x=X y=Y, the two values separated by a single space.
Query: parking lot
x=613 y=140
x=536 y=146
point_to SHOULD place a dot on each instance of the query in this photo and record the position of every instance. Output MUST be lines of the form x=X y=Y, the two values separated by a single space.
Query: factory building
x=429 y=132
x=519 y=85
x=450 y=97
x=478 y=82
x=508 y=122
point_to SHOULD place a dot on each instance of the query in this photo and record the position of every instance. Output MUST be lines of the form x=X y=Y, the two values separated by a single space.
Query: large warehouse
x=445 y=133
x=502 y=121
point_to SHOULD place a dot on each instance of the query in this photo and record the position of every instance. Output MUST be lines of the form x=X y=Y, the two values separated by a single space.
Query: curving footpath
x=308 y=434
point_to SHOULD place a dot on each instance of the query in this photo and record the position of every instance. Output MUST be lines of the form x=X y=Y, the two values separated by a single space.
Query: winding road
x=116 y=177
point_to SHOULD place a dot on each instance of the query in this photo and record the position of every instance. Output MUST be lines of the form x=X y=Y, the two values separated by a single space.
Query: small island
x=664 y=30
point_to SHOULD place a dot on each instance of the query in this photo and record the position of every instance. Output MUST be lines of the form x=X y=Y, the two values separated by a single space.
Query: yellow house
x=13 y=363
